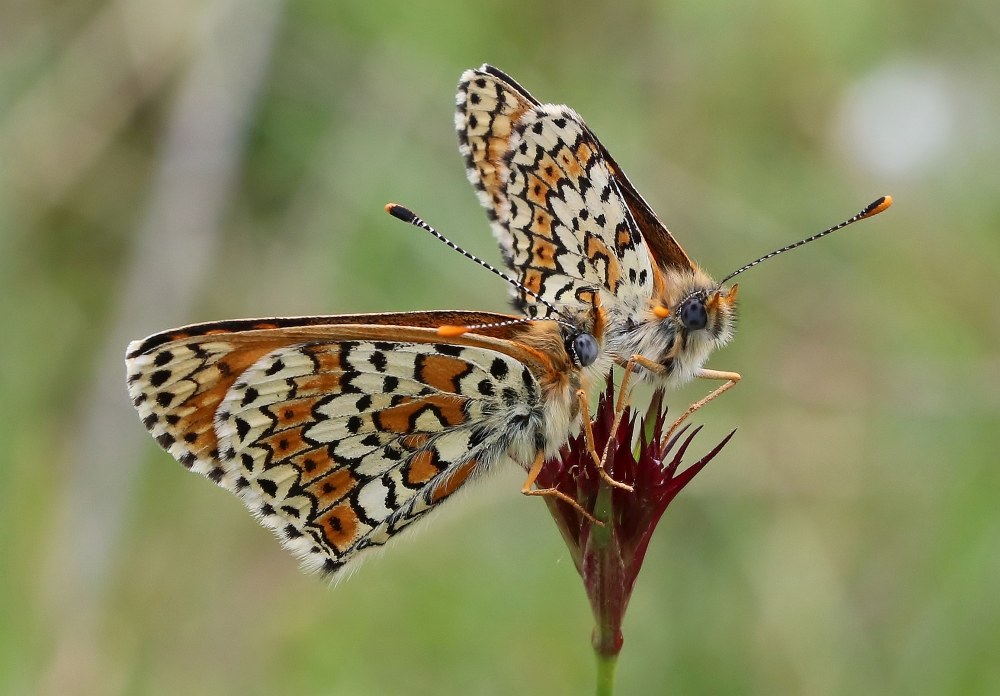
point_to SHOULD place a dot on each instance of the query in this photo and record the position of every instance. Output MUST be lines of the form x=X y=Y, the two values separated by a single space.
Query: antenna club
x=400 y=212
x=876 y=207
x=450 y=331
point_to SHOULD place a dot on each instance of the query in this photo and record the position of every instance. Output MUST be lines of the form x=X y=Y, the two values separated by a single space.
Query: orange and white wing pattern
x=569 y=221
x=336 y=435
x=558 y=213
x=489 y=103
x=487 y=109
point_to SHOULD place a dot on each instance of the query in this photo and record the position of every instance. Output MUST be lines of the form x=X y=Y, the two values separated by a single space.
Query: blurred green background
x=169 y=162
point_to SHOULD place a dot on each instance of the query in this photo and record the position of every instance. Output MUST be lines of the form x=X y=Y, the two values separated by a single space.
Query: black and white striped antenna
x=873 y=208
x=406 y=215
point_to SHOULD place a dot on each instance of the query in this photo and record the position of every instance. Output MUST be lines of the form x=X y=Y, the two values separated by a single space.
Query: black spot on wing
x=275 y=367
x=290 y=531
x=499 y=368
x=159 y=377
x=378 y=361
x=249 y=396
x=162 y=358
x=448 y=349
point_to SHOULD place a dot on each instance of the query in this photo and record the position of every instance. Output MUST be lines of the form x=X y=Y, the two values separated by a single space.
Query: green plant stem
x=606 y=674
x=605 y=592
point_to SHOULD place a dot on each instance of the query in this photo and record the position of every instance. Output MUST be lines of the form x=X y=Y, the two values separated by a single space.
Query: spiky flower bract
x=609 y=557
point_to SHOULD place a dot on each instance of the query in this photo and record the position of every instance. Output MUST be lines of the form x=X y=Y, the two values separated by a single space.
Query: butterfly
x=338 y=432
x=570 y=224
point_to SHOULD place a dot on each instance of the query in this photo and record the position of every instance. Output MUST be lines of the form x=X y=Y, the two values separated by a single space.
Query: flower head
x=608 y=558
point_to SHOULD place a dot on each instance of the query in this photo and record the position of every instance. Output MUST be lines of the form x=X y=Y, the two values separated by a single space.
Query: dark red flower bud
x=608 y=558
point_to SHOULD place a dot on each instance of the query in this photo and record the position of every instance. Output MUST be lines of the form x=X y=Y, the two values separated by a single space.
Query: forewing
x=334 y=442
x=572 y=233
x=664 y=249
x=488 y=104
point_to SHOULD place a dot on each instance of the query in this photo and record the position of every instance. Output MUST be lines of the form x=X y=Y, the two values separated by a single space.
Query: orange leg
x=623 y=398
x=552 y=492
x=588 y=433
x=642 y=361
x=731 y=379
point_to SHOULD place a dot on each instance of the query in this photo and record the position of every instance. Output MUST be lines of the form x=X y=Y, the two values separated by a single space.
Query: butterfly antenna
x=873 y=208
x=407 y=215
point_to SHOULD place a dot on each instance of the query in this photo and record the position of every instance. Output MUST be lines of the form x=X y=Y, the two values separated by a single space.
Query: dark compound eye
x=584 y=349
x=694 y=316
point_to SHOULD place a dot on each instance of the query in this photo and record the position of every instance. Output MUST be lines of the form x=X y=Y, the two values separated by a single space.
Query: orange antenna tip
x=882 y=204
x=661 y=312
x=449 y=331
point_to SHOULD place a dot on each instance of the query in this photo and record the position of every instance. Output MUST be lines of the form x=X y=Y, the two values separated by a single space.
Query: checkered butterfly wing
x=567 y=218
x=560 y=218
x=490 y=107
x=337 y=432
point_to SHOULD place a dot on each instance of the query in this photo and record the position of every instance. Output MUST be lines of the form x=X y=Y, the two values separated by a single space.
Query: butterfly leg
x=526 y=489
x=642 y=361
x=731 y=379
x=624 y=394
x=588 y=433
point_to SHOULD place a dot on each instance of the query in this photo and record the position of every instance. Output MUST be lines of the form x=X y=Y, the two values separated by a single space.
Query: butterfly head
x=692 y=315
x=695 y=306
x=709 y=310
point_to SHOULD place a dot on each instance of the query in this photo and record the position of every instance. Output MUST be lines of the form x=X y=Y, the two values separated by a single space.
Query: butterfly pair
x=338 y=432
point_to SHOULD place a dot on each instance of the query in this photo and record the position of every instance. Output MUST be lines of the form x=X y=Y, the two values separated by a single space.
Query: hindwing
x=336 y=435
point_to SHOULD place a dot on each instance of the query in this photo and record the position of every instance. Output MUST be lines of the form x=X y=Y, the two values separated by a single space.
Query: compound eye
x=694 y=316
x=584 y=349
